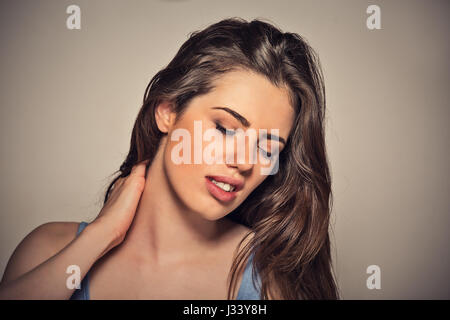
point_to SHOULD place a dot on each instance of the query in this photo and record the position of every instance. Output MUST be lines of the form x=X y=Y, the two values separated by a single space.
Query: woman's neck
x=164 y=230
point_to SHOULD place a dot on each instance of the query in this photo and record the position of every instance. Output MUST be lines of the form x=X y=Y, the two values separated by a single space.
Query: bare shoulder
x=39 y=245
x=246 y=233
x=274 y=292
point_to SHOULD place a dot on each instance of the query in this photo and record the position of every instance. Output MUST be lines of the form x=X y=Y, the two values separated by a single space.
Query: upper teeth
x=224 y=186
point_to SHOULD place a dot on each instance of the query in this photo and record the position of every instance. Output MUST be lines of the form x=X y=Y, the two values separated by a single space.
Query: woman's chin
x=212 y=213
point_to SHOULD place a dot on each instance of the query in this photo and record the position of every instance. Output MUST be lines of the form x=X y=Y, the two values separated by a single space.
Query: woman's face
x=240 y=99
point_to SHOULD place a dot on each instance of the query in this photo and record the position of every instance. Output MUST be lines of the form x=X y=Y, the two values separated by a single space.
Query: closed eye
x=232 y=132
x=224 y=130
x=266 y=154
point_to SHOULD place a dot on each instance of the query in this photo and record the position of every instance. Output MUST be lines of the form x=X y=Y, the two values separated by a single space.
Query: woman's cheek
x=185 y=180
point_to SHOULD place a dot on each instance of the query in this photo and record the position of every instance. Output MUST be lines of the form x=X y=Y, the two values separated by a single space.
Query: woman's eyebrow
x=236 y=115
x=247 y=123
x=272 y=136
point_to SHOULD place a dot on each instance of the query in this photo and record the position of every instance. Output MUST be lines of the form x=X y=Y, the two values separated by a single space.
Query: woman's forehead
x=253 y=97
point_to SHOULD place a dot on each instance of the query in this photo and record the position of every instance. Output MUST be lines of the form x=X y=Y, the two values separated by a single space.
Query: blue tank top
x=247 y=290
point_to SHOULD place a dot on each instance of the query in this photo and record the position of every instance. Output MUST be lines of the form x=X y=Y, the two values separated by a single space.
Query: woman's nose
x=243 y=156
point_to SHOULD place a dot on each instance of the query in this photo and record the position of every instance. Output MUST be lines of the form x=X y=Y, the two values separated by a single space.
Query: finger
x=140 y=168
x=116 y=186
x=119 y=182
x=130 y=195
x=115 y=190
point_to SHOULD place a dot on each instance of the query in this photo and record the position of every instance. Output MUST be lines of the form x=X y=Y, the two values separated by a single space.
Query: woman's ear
x=165 y=117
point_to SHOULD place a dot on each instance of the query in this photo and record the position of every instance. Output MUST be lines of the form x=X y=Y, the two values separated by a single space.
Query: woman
x=172 y=229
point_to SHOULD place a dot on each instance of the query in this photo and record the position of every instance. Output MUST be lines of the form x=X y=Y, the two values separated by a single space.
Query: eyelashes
x=266 y=154
x=229 y=132
x=225 y=131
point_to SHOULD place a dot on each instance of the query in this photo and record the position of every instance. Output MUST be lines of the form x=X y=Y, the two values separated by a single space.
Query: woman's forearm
x=48 y=280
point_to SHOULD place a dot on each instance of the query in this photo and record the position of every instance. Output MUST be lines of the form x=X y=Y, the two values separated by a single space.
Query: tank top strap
x=247 y=290
x=83 y=292
x=81 y=227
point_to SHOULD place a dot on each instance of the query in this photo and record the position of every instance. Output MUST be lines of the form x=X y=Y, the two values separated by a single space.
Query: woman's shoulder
x=247 y=234
x=39 y=245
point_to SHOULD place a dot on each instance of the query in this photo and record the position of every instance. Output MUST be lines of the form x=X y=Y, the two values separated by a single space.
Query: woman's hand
x=35 y=272
x=119 y=210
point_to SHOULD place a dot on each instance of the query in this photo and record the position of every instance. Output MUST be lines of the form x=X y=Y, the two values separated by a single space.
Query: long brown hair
x=289 y=212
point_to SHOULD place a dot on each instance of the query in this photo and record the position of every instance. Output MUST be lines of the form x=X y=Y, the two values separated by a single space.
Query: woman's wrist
x=101 y=233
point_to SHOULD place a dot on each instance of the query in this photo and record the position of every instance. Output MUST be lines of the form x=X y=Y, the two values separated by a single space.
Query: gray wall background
x=68 y=100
